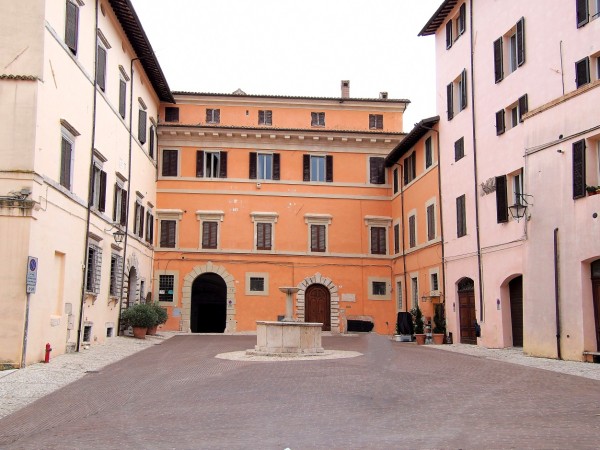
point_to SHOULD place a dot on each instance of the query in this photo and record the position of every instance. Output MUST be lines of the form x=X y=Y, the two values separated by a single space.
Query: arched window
x=466 y=285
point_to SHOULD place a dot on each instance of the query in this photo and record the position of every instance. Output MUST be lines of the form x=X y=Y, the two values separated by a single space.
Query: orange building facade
x=417 y=234
x=255 y=193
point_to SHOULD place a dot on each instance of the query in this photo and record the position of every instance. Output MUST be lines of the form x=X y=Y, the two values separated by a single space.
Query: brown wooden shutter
x=223 y=165
x=261 y=117
x=406 y=179
x=521 y=41
x=268 y=117
x=395 y=180
x=71 y=26
x=151 y=143
x=124 y=199
x=65 y=164
x=101 y=68
x=376 y=170
x=450 y=101
x=498 y=66
x=276 y=166
x=142 y=217
x=583 y=13
x=115 y=202
x=428 y=152
x=142 y=126
x=582 y=72
x=413 y=163
x=459 y=149
x=500 y=125
x=209 y=115
x=313 y=118
x=397 y=238
x=579 y=169
x=260 y=236
x=372 y=123
x=462 y=18
x=268 y=233
x=461 y=226
x=102 y=196
x=171 y=114
x=501 y=200
x=252 y=166
x=430 y=222
x=449 y=34
x=136 y=217
x=151 y=229
x=523 y=107
x=305 y=167
x=122 y=97
x=382 y=240
x=329 y=168
x=412 y=236
x=199 y=163
x=463 y=89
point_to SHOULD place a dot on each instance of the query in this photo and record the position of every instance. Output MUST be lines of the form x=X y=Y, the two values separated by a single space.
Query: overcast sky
x=285 y=47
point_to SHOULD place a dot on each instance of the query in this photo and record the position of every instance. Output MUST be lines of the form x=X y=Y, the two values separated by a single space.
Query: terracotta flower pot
x=139 y=332
x=438 y=338
x=420 y=338
x=152 y=330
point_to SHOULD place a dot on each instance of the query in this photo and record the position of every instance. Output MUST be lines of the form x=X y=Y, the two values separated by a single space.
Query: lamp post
x=519 y=209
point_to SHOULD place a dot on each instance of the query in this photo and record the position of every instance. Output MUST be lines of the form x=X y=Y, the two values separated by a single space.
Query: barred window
x=257 y=284
x=116 y=273
x=93 y=269
x=165 y=287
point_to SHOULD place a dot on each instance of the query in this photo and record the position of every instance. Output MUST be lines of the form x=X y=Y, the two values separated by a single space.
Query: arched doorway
x=317 y=306
x=131 y=286
x=209 y=304
x=515 y=288
x=596 y=299
x=466 y=311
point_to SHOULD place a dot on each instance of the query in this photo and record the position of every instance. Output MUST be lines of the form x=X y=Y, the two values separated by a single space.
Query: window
x=517 y=185
x=378 y=241
x=582 y=72
x=138 y=219
x=410 y=168
x=430 y=222
x=433 y=282
x=579 y=169
x=265 y=117
x=318 y=168
x=456 y=26
x=171 y=114
x=317 y=119
x=66 y=162
x=93 y=268
x=395 y=180
x=449 y=33
x=166 y=284
x=263 y=235
x=412 y=231
x=116 y=273
x=397 y=238
x=210 y=235
x=399 y=294
x=414 y=291
x=379 y=288
x=170 y=163
x=375 y=121
x=377 y=170
x=509 y=48
x=152 y=141
x=428 y=153
x=120 y=205
x=500 y=123
x=168 y=233
x=587 y=10
x=71 y=26
x=318 y=238
x=501 y=200
x=101 y=67
x=213 y=115
x=264 y=166
x=516 y=111
x=461 y=217
x=459 y=149
x=149 y=227
x=456 y=94
x=211 y=164
x=122 y=97
x=98 y=192
x=257 y=284
x=462 y=90
x=142 y=119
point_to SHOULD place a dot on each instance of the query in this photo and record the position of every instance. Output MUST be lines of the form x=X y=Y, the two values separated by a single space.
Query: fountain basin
x=287 y=339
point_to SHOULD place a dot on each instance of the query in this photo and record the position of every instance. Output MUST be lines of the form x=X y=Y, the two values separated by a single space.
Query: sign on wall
x=31 y=279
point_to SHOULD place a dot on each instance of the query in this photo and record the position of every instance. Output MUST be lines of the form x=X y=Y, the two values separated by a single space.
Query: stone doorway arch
x=334 y=296
x=186 y=297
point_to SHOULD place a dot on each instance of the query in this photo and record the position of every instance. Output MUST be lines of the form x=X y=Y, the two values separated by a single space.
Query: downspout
x=128 y=191
x=91 y=171
x=476 y=178
x=557 y=291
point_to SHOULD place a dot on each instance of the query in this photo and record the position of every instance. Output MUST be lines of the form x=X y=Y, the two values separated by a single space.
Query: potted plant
x=439 y=331
x=418 y=325
x=592 y=190
x=162 y=316
x=140 y=317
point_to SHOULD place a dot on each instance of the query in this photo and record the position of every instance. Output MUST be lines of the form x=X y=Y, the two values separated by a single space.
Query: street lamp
x=118 y=236
x=518 y=210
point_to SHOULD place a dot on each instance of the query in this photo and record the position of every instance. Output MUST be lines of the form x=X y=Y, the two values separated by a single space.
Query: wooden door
x=596 y=296
x=515 y=288
x=317 y=306
x=466 y=301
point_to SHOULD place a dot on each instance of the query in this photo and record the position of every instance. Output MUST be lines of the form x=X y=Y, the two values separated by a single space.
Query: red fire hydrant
x=48 y=350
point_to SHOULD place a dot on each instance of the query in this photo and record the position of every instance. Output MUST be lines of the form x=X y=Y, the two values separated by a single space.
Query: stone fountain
x=289 y=337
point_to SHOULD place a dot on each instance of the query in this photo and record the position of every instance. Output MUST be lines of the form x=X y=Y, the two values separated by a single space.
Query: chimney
x=383 y=95
x=345 y=88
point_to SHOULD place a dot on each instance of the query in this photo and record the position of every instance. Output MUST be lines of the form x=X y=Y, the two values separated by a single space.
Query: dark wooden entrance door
x=466 y=300
x=317 y=306
x=515 y=288
x=596 y=296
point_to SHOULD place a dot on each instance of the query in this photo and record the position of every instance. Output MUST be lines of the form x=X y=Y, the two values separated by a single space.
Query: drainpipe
x=91 y=171
x=476 y=178
x=557 y=292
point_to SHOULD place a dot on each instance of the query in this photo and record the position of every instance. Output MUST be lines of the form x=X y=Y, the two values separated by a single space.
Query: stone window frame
x=388 y=292
x=263 y=275
x=155 y=294
x=380 y=222
x=169 y=214
x=264 y=217
x=317 y=219
x=209 y=216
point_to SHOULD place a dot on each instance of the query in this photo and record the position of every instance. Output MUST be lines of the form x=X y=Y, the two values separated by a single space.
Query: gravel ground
x=19 y=388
